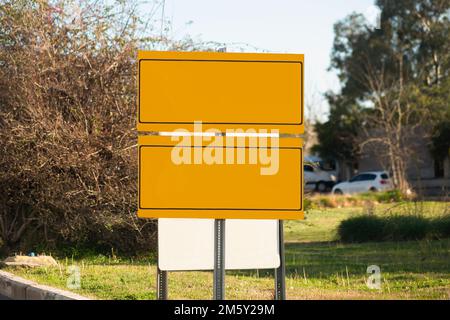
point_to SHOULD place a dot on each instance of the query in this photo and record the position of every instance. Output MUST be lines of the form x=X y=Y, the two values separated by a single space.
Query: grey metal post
x=219 y=250
x=161 y=279
x=219 y=260
x=280 y=272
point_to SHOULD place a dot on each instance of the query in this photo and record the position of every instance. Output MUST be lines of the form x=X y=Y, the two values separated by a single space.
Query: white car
x=364 y=182
x=318 y=179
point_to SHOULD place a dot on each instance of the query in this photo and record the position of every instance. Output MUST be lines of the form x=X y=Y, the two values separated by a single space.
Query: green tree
x=393 y=78
x=338 y=135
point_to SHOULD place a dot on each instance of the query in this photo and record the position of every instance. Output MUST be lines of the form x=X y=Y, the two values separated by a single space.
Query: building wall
x=420 y=164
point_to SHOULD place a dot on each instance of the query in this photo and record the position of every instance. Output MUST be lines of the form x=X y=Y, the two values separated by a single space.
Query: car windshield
x=384 y=176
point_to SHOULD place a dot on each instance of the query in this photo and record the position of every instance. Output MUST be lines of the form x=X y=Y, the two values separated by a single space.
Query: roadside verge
x=17 y=288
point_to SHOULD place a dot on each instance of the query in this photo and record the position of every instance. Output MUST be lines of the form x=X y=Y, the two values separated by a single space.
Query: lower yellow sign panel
x=181 y=182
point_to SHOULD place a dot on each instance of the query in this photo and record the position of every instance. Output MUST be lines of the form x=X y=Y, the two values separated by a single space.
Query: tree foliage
x=393 y=79
x=338 y=135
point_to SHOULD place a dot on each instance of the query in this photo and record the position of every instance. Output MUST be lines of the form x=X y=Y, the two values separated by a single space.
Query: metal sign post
x=161 y=280
x=219 y=260
x=280 y=272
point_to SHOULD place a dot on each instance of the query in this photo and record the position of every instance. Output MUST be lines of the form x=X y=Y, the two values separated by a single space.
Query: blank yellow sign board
x=221 y=90
x=218 y=191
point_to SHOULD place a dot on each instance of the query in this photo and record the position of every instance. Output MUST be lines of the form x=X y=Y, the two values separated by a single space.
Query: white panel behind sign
x=188 y=244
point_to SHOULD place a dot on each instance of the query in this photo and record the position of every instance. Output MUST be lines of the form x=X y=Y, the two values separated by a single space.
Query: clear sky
x=284 y=26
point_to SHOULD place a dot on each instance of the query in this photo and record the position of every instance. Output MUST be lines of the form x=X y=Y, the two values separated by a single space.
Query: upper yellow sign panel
x=220 y=90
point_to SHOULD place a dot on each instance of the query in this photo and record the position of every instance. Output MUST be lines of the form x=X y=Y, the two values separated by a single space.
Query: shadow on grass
x=322 y=259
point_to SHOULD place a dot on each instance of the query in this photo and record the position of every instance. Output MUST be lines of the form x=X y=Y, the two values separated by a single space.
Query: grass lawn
x=317 y=267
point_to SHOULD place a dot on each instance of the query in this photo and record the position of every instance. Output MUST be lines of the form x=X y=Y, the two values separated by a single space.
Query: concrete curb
x=17 y=288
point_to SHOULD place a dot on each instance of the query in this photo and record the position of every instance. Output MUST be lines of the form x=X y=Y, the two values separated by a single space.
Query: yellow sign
x=220 y=177
x=221 y=90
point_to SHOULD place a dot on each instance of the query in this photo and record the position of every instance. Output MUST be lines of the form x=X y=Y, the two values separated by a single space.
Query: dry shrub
x=67 y=125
